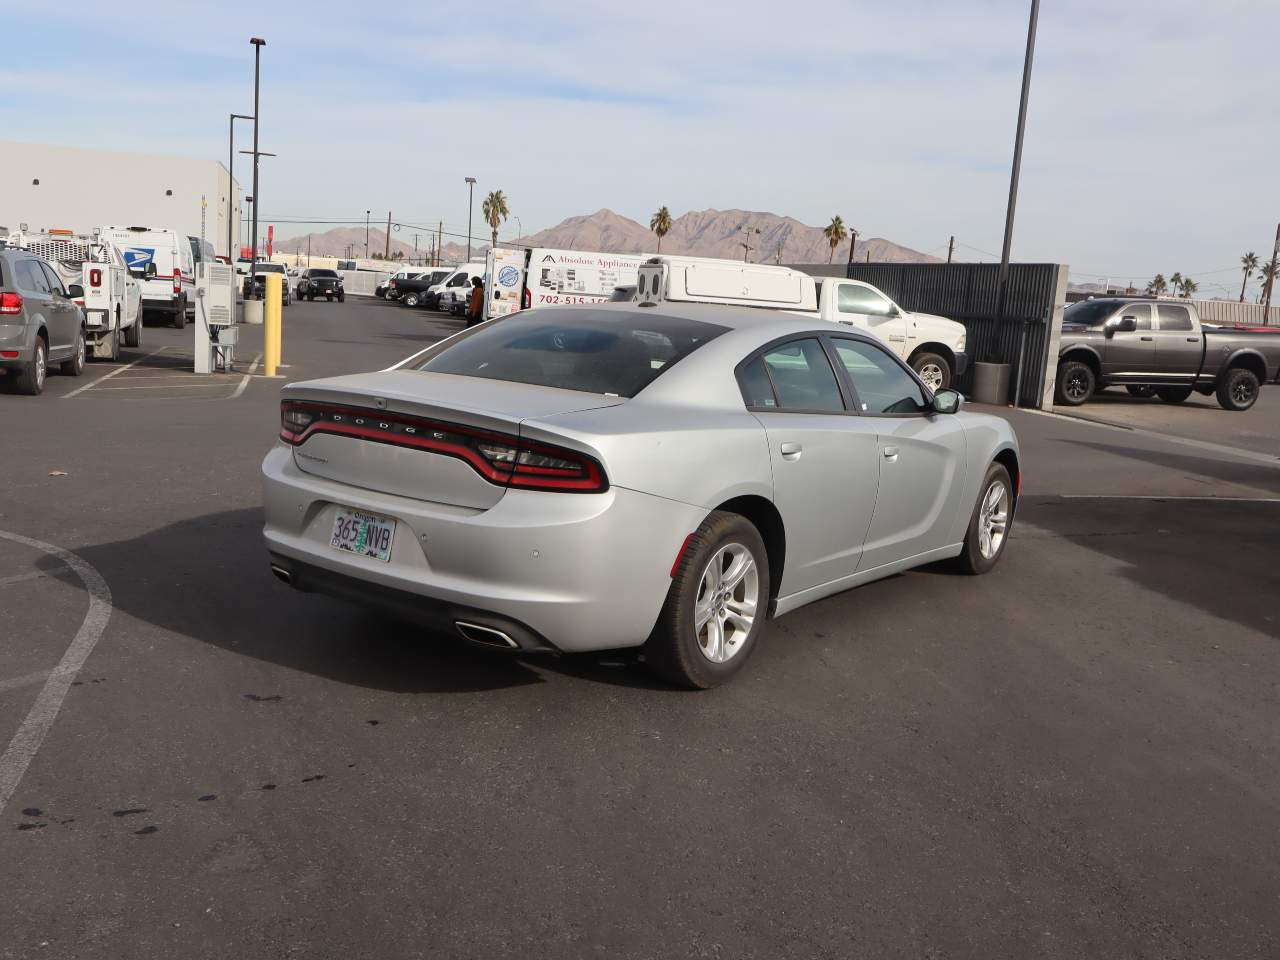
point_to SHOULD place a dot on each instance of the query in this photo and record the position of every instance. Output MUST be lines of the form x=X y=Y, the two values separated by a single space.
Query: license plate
x=367 y=534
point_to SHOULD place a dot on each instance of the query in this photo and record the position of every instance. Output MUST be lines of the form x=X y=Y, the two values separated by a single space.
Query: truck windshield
x=1089 y=313
x=325 y=274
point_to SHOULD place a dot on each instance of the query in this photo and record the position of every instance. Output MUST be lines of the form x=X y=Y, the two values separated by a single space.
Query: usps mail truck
x=538 y=277
x=163 y=260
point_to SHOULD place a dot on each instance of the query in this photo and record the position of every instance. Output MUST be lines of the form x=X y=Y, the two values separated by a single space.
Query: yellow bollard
x=271 y=311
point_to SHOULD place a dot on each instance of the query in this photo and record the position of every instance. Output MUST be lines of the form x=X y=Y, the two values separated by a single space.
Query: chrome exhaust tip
x=485 y=636
x=282 y=574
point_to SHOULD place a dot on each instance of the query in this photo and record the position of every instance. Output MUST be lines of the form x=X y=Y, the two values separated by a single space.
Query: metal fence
x=1028 y=337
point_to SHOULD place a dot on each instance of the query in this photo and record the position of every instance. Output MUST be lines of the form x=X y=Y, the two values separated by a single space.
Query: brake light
x=177 y=280
x=528 y=299
x=10 y=304
x=502 y=459
x=95 y=277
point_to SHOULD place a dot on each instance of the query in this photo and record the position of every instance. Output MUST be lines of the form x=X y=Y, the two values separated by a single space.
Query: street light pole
x=231 y=156
x=366 y=234
x=258 y=44
x=519 y=231
x=471 y=186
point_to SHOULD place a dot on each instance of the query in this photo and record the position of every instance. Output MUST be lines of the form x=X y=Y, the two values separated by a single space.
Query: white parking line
x=169 y=386
x=245 y=382
x=108 y=376
x=17 y=683
x=22 y=748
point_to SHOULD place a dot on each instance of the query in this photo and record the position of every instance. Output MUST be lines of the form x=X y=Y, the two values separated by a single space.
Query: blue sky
x=1151 y=143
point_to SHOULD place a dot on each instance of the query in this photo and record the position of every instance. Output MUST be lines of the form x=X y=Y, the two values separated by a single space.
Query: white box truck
x=163 y=260
x=538 y=276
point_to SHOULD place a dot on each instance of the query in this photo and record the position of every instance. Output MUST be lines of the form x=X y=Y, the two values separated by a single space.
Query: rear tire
x=116 y=333
x=30 y=379
x=990 y=524
x=1173 y=394
x=1076 y=383
x=933 y=370
x=410 y=299
x=180 y=315
x=1238 y=389
x=75 y=366
x=723 y=580
x=1141 y=392
x=133 y=336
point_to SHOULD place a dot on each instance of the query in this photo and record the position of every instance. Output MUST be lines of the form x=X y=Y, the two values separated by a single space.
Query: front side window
x=855 y=298
x=55 y=282
x=1174 y=317
x=577 y=349
x=883 y=385
x=1141 y=312
x=801 y=377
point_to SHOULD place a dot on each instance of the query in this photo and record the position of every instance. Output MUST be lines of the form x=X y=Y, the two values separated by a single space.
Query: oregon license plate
x=367 y=534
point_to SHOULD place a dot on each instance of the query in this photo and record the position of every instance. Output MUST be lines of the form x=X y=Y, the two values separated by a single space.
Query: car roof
x=764 y=320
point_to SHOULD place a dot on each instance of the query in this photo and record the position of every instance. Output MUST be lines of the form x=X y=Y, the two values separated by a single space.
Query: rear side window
x=30 y=277
x=1174 y=317
x=578 y=349
x=802 y=378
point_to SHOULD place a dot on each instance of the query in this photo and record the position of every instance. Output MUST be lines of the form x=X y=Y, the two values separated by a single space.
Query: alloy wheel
x=40 y=368
x=726 y=606
x=1242 y=391
x=931 y=374
x=1075 y=388
x=993 y=519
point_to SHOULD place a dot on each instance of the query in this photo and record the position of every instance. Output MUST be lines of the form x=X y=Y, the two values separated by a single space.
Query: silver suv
x=40 y=322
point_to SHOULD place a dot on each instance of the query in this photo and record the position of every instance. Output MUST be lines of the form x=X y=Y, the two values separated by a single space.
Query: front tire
x=180 y=315
x=410 y=299
x=990 y=523
x=1173 y=394
x=716 y=605
x=75 y=366
x=933 y=370
x=1238 y=389
x=115 y=340
x=1076 y=383
x=133 y=336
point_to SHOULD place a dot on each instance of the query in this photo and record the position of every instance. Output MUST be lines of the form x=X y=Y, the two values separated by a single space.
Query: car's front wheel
x=716 y=605
x=410 y=299
x=989 y=524
x=933 y=370
x=1076 y=383
x=75 y=366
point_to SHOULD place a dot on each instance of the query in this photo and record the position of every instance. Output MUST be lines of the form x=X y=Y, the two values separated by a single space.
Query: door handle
x=890 y=454
x=1193 y=339
x=791 y=451
x=1146 y=338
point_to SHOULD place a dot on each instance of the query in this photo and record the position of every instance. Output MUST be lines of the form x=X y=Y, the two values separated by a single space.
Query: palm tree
x=1269 y=271
x=494 y=210
x=1189 y=286
x=1175 y=284
x=836 y=234
x=1250 y=263
x=1158 y=285
x=660 y=223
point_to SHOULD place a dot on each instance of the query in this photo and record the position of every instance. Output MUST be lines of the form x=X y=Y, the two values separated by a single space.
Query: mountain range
x=701 y=233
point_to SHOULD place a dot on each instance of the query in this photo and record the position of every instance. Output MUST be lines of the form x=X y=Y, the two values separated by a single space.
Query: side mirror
x=947 y=401
x=75 y=292
x=1123 y=325
x=150 y=270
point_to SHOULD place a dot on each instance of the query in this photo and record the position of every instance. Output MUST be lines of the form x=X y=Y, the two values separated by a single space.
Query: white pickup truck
x=934 y=347
x=112 y=300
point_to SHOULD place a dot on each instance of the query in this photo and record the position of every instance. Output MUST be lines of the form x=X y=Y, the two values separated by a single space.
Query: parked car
x=320 y=282
x=1161 y=348
x=261 y=270
x=161 y=260
x=411 y=291
x=40 y=322
x=387 y=288
x=615 y=475
x=430 y=286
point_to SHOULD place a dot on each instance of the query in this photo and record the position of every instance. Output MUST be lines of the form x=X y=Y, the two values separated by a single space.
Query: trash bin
x=253 y=312
x=991 y=383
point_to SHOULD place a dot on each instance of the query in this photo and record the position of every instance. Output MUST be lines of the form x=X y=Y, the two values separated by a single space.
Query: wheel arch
x=1007 y=457
x=941 y=349
x=1086 y=355
x=1249 y=359
x=764 y=516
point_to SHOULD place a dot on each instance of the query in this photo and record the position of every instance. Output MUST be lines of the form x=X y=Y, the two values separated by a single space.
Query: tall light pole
x=231 y=180
x=366 y=234
x=471 y=186
x=258 y=44
x=519 y=231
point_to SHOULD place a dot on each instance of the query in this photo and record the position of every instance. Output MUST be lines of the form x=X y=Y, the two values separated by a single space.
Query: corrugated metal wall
x=966 y=292
x=1229 y=311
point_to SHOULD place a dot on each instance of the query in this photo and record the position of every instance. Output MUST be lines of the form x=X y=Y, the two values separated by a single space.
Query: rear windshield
x=595 y=351
x=323 y=273
x=270 y=268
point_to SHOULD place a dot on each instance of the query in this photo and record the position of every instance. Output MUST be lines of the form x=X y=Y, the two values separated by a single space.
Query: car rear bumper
x=571 y=572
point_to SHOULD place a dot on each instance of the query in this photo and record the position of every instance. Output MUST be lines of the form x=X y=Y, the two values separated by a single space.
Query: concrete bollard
x=271 y=333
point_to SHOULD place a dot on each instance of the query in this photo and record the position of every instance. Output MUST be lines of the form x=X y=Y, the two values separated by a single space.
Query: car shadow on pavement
x=207 y=578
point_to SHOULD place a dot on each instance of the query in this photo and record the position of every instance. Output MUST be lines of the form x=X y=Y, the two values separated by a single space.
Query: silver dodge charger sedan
x=623 y=475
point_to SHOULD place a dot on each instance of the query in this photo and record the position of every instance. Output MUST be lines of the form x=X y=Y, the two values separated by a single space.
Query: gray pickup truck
x=1160 y=348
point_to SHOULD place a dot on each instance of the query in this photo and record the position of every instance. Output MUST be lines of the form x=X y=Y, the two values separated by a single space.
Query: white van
x=539 y=276
x=162 y=260
x=456 y=286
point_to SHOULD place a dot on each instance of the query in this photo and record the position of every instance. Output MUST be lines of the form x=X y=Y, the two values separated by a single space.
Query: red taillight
x=9 y=354
x=95 y=277
x=528 y=299
x=500 y=458
x=10 y=304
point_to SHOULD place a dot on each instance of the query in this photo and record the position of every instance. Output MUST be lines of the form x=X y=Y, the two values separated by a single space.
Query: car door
x=1130 y=355
x=823 y=455
x=921 y=455
x=863 y=307
x=34 y=285
x=69 y=313
x=1179 y=349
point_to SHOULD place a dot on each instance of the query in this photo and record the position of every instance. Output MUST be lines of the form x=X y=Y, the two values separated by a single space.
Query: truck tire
x=1141 y=392
x=1173 y=394
x=1238 y=389
x=133 y=336
x=30 y=379
x=410 y=299
x=180 y=315
x=75 y=366
x=1076 y=383
x=933 y=370
x=116 y=333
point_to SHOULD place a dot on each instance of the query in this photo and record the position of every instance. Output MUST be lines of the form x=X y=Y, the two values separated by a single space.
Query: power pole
x=1275 y=257
x=951 y=248
x=1003 y=282
x=415 y=249
x=258 y=44
x=386 y=254
x=308 y=249
x=439 y=242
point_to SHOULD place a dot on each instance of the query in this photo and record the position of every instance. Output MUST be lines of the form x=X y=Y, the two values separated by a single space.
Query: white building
x=70 y=188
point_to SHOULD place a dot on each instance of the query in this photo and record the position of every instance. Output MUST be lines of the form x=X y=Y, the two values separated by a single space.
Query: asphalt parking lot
x=1075 y=756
